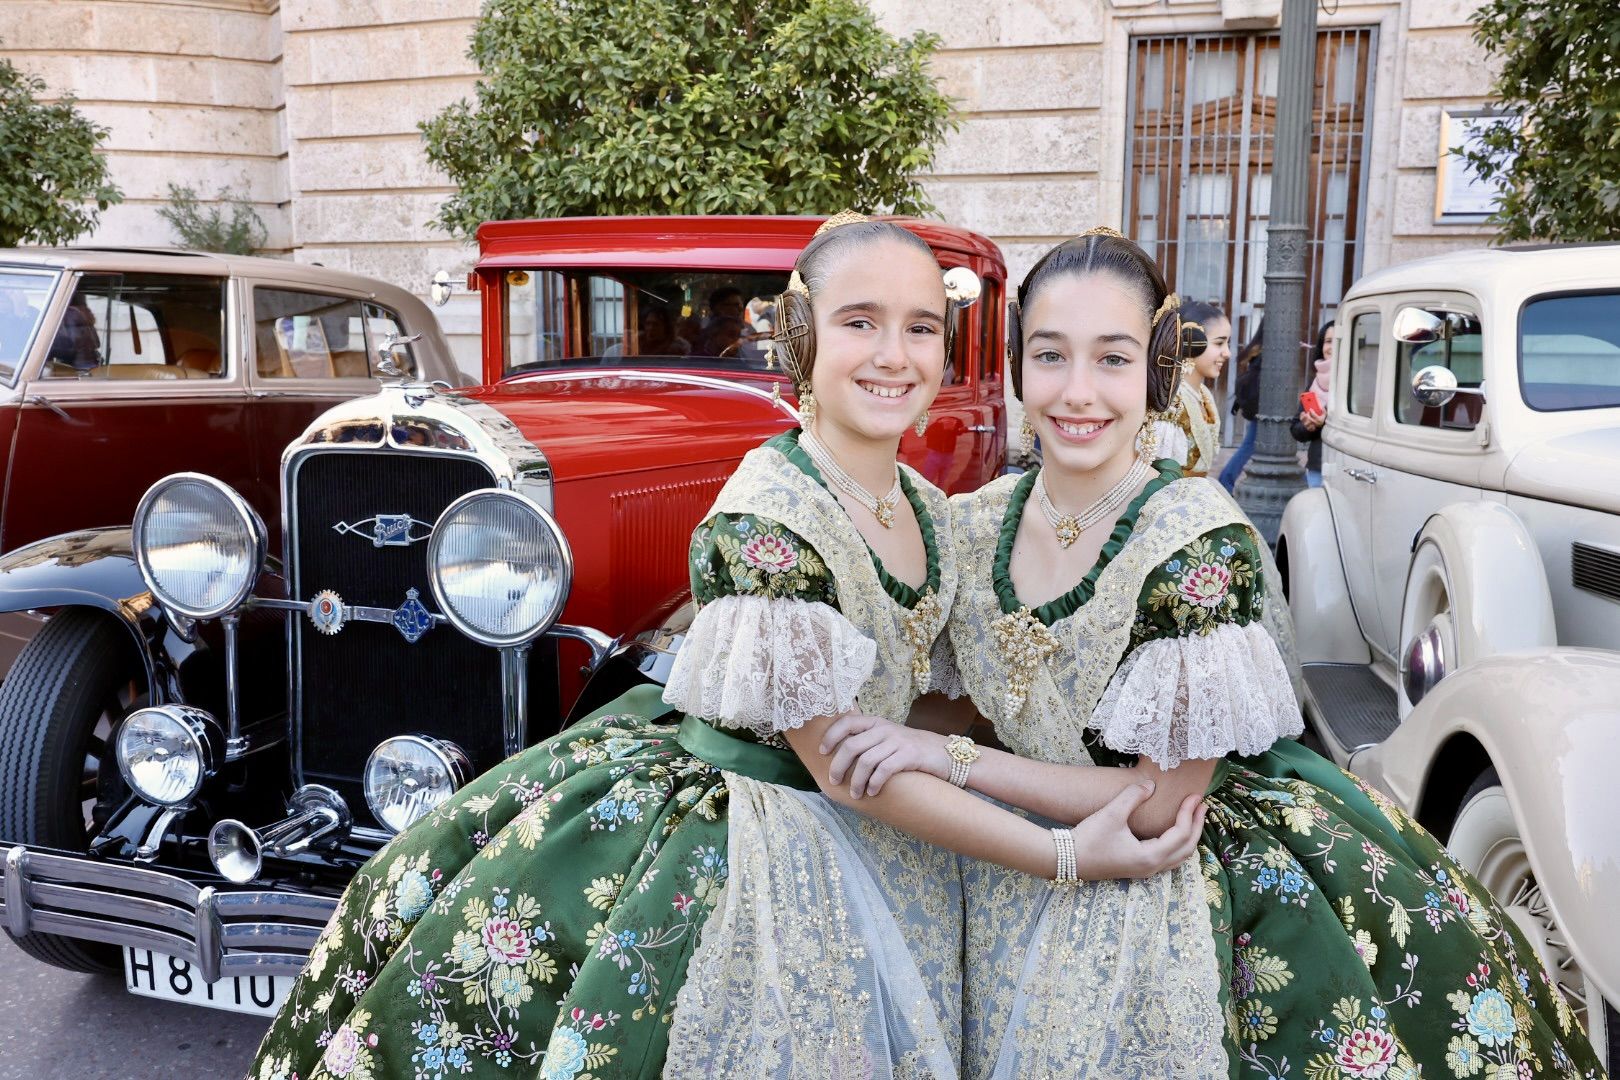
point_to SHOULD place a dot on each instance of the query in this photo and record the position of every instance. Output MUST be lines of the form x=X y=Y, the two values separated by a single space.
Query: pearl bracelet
x=1068 y=864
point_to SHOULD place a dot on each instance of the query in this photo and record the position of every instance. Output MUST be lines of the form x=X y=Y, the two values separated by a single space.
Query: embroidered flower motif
x=505 y=941
x=770 y=553
x=1206 y=585
x=1368 y=1052
x=412 y=895
x=343 y=1053
x=1463 y=1057
x=1490 y=1018
x=565 y=1055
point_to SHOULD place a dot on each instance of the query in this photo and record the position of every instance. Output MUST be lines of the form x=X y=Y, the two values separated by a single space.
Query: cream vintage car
x=1455 y=581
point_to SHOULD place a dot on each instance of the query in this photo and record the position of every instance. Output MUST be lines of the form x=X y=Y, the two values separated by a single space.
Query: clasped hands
x=869 y=750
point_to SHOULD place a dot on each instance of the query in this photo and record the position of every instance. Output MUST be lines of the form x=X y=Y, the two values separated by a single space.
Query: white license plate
x=153 y=974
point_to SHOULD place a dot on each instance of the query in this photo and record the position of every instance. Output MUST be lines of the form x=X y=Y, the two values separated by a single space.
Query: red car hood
x=596 y=422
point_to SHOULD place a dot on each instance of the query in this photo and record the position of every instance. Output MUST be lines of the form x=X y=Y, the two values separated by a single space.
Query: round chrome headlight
x=166 y=752
x=409 y=775
x=499 y=567
x=199 y=545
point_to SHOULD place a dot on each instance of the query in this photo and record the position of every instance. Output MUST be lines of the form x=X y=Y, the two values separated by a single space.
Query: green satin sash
x=767 y=764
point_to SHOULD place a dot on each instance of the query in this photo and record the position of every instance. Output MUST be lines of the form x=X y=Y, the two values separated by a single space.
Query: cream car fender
x=1325 y=629
x=1548 y=722
x=1475 y=587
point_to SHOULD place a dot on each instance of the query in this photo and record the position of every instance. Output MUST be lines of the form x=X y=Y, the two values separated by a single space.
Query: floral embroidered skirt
x=538 y=924
x=1327 y=937
x=1351 y=945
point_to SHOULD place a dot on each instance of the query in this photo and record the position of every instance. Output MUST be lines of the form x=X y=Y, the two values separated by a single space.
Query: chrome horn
x=313 y=813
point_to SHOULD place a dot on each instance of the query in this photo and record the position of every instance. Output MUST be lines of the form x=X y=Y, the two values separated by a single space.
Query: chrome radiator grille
x=367 y=682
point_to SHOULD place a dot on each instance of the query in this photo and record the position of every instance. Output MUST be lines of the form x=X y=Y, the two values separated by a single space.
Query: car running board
x=1356 y=705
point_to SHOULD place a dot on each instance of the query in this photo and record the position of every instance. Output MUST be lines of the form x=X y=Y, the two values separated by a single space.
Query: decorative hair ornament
x=796 y=285
x=1172 y=303
x=843 y=217
x=1103 y=230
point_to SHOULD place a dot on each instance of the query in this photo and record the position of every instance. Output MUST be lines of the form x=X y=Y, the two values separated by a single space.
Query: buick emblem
x=387 y=530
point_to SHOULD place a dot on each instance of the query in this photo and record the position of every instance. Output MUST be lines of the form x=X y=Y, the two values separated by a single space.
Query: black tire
x=1606 y=1043
x=70 y=686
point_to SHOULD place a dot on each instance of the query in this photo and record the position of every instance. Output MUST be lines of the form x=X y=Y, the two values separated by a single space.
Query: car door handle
x=1366 y=476
x=983 y=429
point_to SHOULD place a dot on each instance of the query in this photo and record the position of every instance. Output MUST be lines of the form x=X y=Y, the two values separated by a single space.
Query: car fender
x=1548 y=721
x=1325 y=627
x=1500 y=600
x=96 y=568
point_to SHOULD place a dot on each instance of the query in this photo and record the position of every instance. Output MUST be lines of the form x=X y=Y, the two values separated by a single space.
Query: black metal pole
x=1273 y=475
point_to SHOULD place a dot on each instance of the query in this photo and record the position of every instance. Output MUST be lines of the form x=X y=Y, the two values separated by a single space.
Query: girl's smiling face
x=1210 y=362
x=880 y=340
x=1085 y=370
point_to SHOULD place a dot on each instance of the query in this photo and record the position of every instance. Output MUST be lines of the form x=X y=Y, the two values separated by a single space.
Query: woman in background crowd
x=1308 y=427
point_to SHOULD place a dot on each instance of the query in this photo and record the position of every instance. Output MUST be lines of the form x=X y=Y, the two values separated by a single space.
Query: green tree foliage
x=53 y=184
x=688 y=106
x=230 y=225
x=1560 y=164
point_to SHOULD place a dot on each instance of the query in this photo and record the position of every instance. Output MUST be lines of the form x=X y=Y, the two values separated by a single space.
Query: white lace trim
x=944 y=676
x=1198 y=697
x=769 y=665
x=1172 y=441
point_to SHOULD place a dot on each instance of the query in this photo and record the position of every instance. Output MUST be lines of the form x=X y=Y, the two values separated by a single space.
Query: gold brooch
x=921 y=628
x=1024 y=643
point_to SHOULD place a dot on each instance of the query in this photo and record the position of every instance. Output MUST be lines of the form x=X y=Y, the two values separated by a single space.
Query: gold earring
x=1026 y=436
x=922 y=423
x=807 y=407
x=1147 y=439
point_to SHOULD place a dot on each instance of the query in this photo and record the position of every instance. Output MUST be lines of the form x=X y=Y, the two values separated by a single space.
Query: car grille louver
x=367 y=682
x=1595 y=569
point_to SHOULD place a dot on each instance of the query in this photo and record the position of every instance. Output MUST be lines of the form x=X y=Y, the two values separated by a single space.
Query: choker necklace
x=1069 y=526
x=882 y=509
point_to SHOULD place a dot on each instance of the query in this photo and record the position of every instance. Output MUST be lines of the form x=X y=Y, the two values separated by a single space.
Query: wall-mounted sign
x=1460 y=195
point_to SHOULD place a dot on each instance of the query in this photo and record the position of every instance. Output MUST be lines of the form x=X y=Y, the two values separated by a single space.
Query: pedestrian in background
x=1308 y=427
x=1246 y=403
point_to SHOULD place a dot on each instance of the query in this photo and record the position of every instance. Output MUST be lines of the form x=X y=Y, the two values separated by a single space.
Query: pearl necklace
x=882 y=509
x=1069 y=526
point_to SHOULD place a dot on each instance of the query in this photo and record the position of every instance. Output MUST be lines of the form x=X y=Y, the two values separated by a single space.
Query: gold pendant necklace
x=881 y=508
x=1069 y=526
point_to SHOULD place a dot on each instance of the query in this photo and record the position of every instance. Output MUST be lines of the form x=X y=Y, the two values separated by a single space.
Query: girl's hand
x=870 y=749
x=1105 y=847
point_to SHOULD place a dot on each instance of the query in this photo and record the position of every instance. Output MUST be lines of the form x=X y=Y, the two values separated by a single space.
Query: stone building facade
x=310 y=108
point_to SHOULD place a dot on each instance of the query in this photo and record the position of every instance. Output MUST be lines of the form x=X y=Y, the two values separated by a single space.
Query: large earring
x=1147 y=439
x=807 y=407
x=1026 y=436
x=922 y=424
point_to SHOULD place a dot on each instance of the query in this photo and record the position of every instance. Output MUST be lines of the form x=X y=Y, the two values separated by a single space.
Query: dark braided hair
x=795 y=319
x=1096 y=253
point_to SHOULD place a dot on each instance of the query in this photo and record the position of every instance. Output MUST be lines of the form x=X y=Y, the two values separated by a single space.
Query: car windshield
x=664 y=317
x=24 y=295
x=1569 y=352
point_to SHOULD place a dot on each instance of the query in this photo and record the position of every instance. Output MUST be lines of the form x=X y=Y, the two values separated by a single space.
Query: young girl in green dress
x=1111 y=614
x=688 y=892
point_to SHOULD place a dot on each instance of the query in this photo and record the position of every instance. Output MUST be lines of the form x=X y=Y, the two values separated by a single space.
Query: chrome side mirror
x=1435 y=386
x=962 y=287
x=442 y=288
x=1415 y=326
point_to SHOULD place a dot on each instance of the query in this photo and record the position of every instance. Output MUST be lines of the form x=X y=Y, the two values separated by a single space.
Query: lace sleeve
x=1172 y=441
x=1203 y=695
x=768 y=665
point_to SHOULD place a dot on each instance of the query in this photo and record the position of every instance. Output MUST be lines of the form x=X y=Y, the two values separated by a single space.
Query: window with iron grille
x=1199 y=162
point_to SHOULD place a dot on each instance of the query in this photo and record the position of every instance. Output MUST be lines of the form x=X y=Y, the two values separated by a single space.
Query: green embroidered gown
x=650 y=892
x=1319 y=934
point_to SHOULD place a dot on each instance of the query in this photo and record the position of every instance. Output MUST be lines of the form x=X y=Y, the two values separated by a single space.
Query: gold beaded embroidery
x=922 y=626
x=1024 y=643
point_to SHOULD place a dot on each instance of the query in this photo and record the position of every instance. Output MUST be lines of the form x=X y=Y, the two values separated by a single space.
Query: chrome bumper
x=222 y=933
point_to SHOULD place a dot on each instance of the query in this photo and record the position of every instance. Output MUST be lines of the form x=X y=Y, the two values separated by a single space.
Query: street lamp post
x=1274 y=474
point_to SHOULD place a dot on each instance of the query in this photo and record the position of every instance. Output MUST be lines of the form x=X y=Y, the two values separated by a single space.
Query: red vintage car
x=205 y=740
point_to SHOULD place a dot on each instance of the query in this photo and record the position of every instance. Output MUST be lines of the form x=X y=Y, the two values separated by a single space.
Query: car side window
x=141 y=327
x=309 y=335
x=1361 y=393
x=1460 y=351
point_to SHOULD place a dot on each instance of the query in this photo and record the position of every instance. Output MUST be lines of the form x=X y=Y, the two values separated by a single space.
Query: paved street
x=55 y=1024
